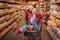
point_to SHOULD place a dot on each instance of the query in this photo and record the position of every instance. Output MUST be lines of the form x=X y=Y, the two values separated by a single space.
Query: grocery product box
x=58 y=21
x=51 y=23
x=52 y=18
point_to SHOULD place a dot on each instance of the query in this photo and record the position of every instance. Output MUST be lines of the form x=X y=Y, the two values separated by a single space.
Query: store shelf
x=9 y=2
x=6 y=23
x=20 y=18
x=51 y=34
x=18 y=3
x=5 y=31
x=4 y=18
x=57 y=17
x=58 y=9
x=9 y=12
x=9 y=27
x=5 y=7
x=54 y=2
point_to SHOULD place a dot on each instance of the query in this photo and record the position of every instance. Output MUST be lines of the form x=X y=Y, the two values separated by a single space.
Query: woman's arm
x=26 y=12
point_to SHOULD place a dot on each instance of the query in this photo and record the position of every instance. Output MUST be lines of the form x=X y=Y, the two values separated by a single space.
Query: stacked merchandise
x=54 y=1
x=8 y=16
x=11 y=0
x=54 y=20
x=11 y=13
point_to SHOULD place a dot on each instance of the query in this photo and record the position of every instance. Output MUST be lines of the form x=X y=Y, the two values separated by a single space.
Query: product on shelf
x=4 y=25
x=13 y=15
x=10 y=0
x=3 y=11
x=58 y=21
x=57 y=0
x=2 y=19
x=51 y=23
x=52 y=34
x=3 y=5
x=52 y=18
x=56 y=31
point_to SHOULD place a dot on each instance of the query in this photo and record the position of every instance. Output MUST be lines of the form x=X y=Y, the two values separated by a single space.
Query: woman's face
x=34 y=11
x=31 y=8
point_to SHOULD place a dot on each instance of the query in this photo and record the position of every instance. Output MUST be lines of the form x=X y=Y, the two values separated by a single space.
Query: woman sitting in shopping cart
x=33 y=20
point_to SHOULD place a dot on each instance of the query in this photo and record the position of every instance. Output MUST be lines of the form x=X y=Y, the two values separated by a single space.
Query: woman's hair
x=29 y=11
x=34 y=6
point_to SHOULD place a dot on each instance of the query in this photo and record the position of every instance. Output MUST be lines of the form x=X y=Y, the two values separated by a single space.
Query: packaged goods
x=3 y=5
x=58 y=21
x=52 y=18
x=13 y=15
x=57 y=0
x=3 y=11
x=56 y=13
x=51 y=23
x=0 y=27
x=10 y=0
x=56 y=31
x=4 y=25
x=4 y=18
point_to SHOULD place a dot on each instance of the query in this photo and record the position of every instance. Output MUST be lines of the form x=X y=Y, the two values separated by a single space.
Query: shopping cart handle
x=31 y=31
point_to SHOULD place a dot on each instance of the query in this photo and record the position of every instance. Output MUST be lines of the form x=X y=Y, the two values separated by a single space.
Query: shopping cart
x=33 y=35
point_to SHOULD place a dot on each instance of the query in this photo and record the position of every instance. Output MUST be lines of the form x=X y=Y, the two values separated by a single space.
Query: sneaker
x=17 y=30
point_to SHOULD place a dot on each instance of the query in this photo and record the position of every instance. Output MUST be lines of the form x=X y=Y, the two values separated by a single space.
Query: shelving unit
x=55 y=21
x=13 y=12
x=19 y=3
x=51 y=34
x=53 y=24
x=8 y=16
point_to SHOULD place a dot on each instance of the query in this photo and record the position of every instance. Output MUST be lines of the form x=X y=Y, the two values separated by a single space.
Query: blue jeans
x=35 y=26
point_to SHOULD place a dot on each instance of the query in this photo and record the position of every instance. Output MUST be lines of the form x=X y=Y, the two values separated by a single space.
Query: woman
x=33 y=19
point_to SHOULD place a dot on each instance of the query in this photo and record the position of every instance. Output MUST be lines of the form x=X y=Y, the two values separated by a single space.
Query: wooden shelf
x=58 y=9
x=9 y=22
x=6 y=30
x=9 y=27
x=18 y=3
x=20 y=18
x=13 y=17
x=51 y=34
x=3 y=14
x=57 y=17
x=9 y=2
x=5 y=7
x=4 y=18
x=54 y=2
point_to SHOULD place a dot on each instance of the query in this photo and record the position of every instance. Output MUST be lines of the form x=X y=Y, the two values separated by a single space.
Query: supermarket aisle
x=11 y=35
x=44 y=34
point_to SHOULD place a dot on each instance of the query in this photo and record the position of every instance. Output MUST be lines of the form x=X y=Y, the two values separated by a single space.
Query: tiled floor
x=12 y=36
